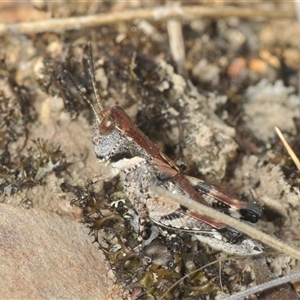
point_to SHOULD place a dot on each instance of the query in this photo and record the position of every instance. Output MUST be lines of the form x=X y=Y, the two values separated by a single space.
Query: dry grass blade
x=176 y=41
x=62 y=25
x=288 y=148
x=246 y=229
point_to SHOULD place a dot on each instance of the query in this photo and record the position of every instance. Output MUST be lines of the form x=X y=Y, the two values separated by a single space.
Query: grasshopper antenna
x=83 y=95
x=92 y=74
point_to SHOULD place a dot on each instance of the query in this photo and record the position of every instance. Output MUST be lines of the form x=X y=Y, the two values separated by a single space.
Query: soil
x=213 y=107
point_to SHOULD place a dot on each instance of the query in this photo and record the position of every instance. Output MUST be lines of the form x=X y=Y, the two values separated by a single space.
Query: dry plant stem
x=246 y=229
x=176 y=41
x=288 y=148
x=262 y=274
x=77 y=23
x=264 y=286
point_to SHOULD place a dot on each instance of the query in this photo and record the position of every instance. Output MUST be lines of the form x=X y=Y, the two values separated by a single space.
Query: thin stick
x=176 y=41
x=246 y=229
x=288 y=148
x=62 y=25
x=264 y=286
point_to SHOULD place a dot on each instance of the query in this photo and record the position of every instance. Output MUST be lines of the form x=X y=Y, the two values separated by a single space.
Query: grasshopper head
x=115 y=136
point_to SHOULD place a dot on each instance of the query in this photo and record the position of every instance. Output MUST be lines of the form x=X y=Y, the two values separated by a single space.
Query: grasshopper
x=140 y=164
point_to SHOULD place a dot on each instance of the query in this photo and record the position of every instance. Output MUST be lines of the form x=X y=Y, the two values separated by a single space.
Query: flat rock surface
x=44 y=257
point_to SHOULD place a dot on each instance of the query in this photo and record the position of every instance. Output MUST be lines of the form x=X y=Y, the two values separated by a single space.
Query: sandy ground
x=214 y=108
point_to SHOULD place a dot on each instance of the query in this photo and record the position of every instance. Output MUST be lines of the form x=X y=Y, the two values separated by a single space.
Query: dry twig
x=76 y=23
x=176 y=41
x=264 y=286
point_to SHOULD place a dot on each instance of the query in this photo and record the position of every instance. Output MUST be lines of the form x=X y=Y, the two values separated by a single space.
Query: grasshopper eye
x=107 y=124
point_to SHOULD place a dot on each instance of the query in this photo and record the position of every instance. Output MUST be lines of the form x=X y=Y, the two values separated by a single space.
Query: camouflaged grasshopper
x=140 y=164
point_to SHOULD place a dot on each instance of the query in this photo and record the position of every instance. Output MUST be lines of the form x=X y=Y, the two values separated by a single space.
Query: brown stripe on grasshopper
x=117 y=116
x=243 y=210
x=162 y=212
x=182 y=185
